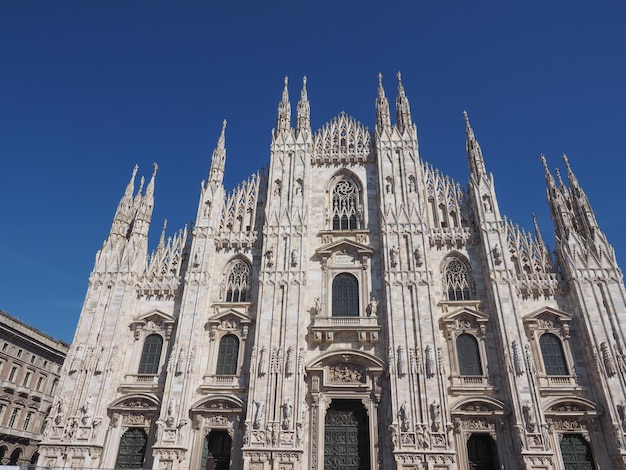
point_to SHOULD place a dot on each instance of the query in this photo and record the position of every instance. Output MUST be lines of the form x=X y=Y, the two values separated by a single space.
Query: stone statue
x=373 y=307
x=259 y=412
x=393 y=253
x=287 y=412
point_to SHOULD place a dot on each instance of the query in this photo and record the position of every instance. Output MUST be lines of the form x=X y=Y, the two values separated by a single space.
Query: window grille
x=151 y=355
x=345 y=296
x=228 y=355
x=468 y=355
x=553 y=356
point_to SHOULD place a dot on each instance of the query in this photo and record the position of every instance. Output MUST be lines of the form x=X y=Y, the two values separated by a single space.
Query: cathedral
x=348 y=307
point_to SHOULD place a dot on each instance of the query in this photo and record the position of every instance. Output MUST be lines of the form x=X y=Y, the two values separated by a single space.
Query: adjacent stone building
x=30 y=363
x=348 y=307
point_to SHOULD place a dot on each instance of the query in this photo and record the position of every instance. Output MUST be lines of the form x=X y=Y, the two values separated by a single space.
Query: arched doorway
x=482 y=453
x=346 y=436
x=132 y=449
x=15 y=456
x=216 y=450
x=576 y=453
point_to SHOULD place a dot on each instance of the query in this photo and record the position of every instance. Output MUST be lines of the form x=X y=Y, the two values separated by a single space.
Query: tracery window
x=238 y=282
x=151 y=355
x=553 y=357
x=132 y=449
x=345 y=296
x=468 y=355
x=345 y=206
x=228 y=355
x=458 y=280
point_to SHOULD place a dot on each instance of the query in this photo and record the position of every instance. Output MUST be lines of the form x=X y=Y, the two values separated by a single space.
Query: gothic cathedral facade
x=348 y=307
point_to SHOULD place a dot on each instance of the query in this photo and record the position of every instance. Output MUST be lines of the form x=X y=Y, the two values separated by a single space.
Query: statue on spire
x=383 y=119
x=218 y=159
x=403 y=110
x=283 y=121
x=303 y=120
x=474 y=153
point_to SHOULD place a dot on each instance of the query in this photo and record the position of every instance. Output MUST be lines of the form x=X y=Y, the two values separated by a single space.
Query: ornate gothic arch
x=342 y=374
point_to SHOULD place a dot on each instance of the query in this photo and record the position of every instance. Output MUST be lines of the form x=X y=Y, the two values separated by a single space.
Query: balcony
x=554 y=384
x=361 y=329
x=229 y=382
x=463 y=383
x=143 y=382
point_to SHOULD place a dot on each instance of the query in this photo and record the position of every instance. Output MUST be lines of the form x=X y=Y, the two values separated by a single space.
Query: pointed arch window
x=457 y=280
x=345 y=206
x=238 y=282
x=468 y=355
x=345 y=296
x=228 y=355
x=553 y=356
x=151 y=355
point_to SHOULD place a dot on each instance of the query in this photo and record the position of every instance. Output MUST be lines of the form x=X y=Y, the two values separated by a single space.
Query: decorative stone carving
x=347 y=373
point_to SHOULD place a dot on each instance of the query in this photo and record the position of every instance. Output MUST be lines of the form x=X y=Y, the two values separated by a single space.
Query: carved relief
x=346 y=373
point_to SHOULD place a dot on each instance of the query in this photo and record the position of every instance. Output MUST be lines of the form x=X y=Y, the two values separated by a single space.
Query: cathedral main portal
x=346 y=436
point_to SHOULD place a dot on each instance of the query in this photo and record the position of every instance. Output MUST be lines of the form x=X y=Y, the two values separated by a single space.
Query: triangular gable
x=225 y=313
x=344 y=244
x=154 y=320
x=155 y=315
x=560 y=315
x=465 y=312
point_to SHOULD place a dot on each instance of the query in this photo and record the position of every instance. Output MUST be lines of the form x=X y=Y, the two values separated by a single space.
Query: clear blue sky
x=89 y=88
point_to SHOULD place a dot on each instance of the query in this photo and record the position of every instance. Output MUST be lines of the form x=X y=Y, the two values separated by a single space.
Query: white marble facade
x=348 y=275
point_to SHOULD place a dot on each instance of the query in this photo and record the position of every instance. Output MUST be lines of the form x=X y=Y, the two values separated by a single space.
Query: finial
x=134 y=171
x=222 y=138
x=162 y=240
x=155 y=167
x=537 y=232
x=468 y=128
